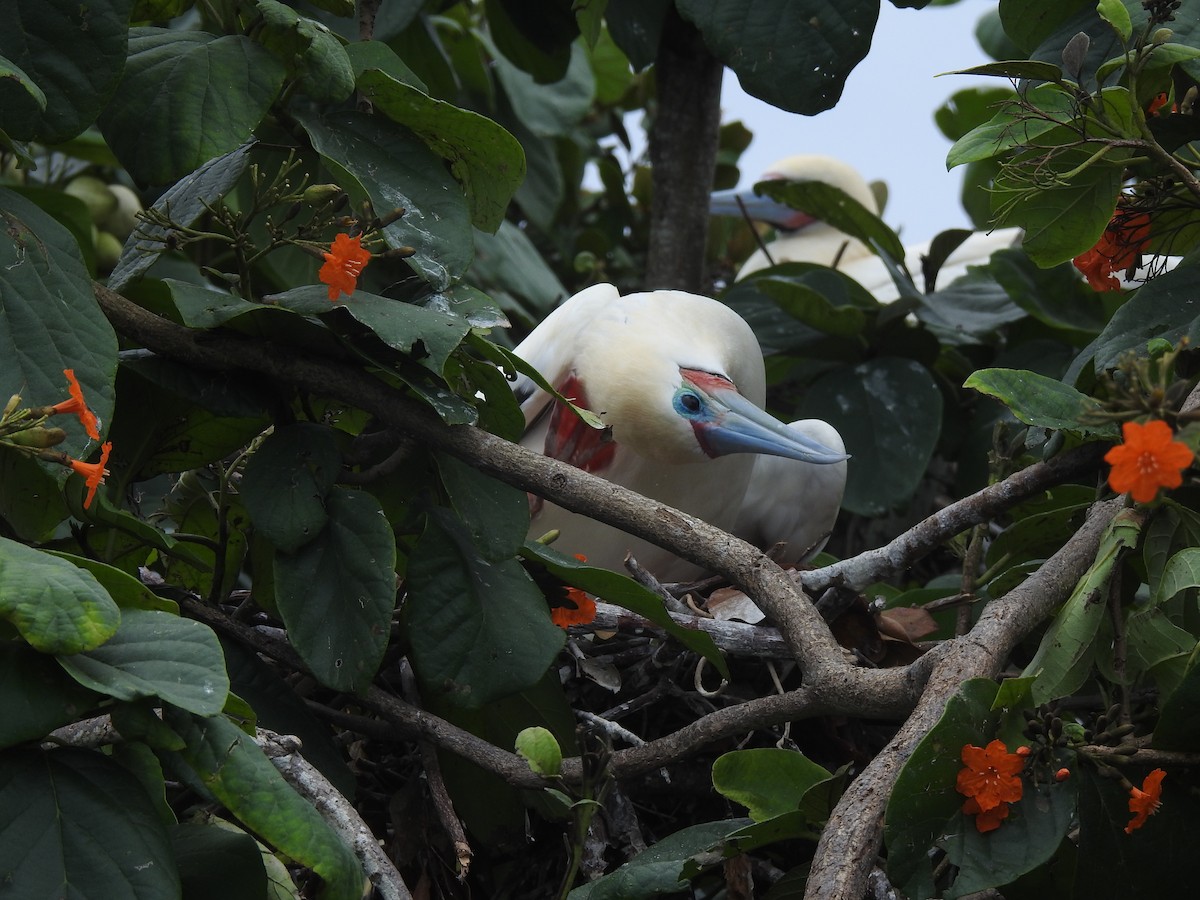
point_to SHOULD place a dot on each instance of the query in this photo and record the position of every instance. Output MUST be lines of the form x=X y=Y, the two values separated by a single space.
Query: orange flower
x=93 y=472
x=1149 y=459
x=990 y=780
x=577 y=607
x=1157 y=103
x=1145 y=803
x=986 y=819
x=343 y=264
x=1117 y=249
x=78 y=406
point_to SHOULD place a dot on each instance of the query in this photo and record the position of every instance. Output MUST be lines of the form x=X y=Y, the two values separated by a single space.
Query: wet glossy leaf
x=1038 y=400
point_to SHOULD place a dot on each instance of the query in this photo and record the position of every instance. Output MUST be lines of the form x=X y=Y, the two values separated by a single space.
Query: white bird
x=803 y=238
x=678 y=381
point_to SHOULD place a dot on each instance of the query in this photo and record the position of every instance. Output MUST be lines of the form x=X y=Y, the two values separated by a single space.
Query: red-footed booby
x=678 y=381
x=802 y=238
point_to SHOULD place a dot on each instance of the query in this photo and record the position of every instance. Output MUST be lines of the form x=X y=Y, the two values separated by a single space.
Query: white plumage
x=678 y=381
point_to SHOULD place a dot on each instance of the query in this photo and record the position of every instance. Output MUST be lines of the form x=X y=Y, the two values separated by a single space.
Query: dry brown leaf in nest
x=730 y=604
x=906 y=623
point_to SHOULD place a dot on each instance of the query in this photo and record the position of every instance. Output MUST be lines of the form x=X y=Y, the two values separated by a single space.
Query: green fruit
x=95 y=193
x=108 y=251
x=123 y=218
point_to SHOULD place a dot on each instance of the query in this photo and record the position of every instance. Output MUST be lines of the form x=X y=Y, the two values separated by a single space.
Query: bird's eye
x=688 y=403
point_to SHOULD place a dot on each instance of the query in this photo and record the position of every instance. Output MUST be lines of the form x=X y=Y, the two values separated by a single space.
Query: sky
x=883 y=124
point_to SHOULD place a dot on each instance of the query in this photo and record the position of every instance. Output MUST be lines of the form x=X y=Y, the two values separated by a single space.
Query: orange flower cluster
x=93 y=473
x=1149 y=459
x=1117 y=250
x=990 y=780
x=343 y=264
x=1144 y=803
x=577 y=607
x=78 y=406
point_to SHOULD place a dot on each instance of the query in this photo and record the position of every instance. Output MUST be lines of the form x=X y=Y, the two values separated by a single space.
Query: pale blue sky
x=883 y=124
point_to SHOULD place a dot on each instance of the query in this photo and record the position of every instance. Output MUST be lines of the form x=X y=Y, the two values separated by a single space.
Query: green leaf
x=75 y=824
x=1058 y=662
x=794 y=55
x=56 y=607
x=1181 y=572
x=156 y=654
x=218 y=862
x=1035 y=826
x=510 y=269
x=1057 y=297
x=1115 y=14
x=50 y=320
x=1030 y=22
x=73 y=54
x=287 y=480
x=496 y=514
x=1038 y=400
x=479 y=629
x=1016 y=70
x=891 y=432
x=202 y=95
x=636 y=27
x=1165 y=308
x=658 y=869
x=812 y=308
x=768 y=781
x=484 y=158
x=337 y=593
x=184 y=202
x=969 y=108
x=549 y=110
x=36 y=695
x=538 y=747
x=837 y=208
x=1178 y=725
x=924 y=799
x=1012 y=126
x=430 y=335
x=309 y=50
x=388 y=165
x=537 y=39
x=612 y=587
x=238 y=774
x=31 y=504
x=126 y=591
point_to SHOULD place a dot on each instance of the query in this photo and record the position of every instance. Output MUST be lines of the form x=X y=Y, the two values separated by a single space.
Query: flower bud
x=316 y=194
x=1162 y=36
x=1062 y=775
x=38 y=437
x=1024 y=750
x=13 y=402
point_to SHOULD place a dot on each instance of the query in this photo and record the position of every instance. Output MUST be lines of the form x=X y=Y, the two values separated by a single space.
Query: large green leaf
x=31 y=504
x=485 y=159
x=794 y=54
x=496 y=514
x=549 y=110
x=286 y=482
x=1060 y=661
x=1181 y=572
x=889 y=413
x=156 y=654
x=36 y=695
x=1179 y=721
x=430 y=334
x=312 y=54
x=337 y=592
x=238 y=774
x=50 y=320
x=72 y=53
x=479 y=629
x=56 y=607
x=1166 y=308
x=387 y=164
x=1029 y=22
x=636 y=27
x=75 y=824
x=924 y=799
x=1029 y=836
x=768 y=781
x=537 y=38
x=511 y=270
x=217 y=862
x=836 y=207
x=202 y=96
x=1038 y=400
x=1013 y=126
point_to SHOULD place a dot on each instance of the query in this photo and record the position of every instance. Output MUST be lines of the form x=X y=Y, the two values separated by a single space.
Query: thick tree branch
x=893 y=558
x=683 y=156
x=851 y=840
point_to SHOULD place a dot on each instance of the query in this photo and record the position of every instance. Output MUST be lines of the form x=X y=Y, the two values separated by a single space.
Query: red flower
x=93 y=472
x=990 y=780
x=78 y=406
x=1117 y=250
x=577 y=607
x=1149 y=459
x=1145 y=803
x=343 y=264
